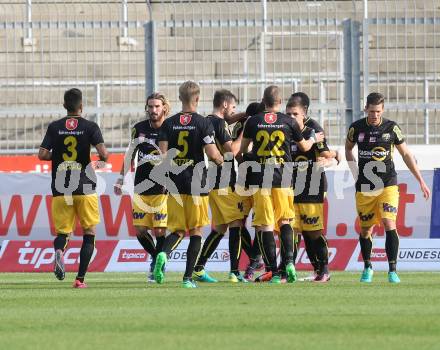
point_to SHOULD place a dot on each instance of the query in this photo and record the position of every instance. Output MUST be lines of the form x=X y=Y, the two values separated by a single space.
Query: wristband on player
x=313 y=136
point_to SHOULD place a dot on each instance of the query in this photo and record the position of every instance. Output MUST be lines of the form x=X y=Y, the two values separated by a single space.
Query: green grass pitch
x=122 y=311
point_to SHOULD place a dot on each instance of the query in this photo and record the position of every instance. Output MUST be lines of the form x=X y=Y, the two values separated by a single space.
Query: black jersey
x=313 y=124
x=70 y=140
x=271 y=135
x=188 y=133
x=222 y=136
x=145 y=140
x=309 y=181
x=375 y=144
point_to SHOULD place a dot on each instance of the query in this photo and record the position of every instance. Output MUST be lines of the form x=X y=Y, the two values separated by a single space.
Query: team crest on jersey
x=270 y=118
x=386 y=137
x=71 y=124
x=185 y=119
x=361 y=137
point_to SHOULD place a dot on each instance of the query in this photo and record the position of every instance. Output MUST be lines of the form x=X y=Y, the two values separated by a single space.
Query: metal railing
x=336 y=51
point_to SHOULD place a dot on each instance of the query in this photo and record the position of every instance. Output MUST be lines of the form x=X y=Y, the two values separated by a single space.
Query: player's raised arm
x=409 y=160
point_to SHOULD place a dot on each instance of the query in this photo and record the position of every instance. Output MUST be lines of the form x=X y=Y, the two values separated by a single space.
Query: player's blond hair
x=271 y=96
x=188 y=92
x=161 y=97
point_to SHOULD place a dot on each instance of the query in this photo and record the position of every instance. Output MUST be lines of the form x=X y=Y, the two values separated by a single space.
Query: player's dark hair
x=299 y=99
x=254 y=108
x=222 y=96
x=271 y=96
x=72 y=100
x=375 y=98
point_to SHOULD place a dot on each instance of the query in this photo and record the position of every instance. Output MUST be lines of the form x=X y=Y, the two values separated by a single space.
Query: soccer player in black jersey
x=150 y=199
x=377 y=194
x=310 y=186
x=191 y=135
x=271 y=133
x=225 y=203
x=251 y=248
x=67 y=144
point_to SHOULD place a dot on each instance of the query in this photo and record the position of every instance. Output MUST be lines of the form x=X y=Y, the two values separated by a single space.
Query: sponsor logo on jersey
x=361 y=137
x=377 y=153
x=185 y=119
x=71 y=123
x=301 y=163
x=270 y=118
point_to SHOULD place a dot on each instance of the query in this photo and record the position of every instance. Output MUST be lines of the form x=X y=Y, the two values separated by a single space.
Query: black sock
x=209 y=246
x=195 y=243
x=267 y=246
x=286 y=236
x=310 y=250
x=366 y=247
x=171 y=242
x=321 y=249
x=296 y=247
x=392 y=248
x=234 y=248
x=147 y=242
x=159 y=243
x=246 y=242
x=282 y=264
x=60 y=241
x=85 y=255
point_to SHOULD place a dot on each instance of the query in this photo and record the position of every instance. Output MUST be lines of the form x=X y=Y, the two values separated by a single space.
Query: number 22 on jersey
x=277 y=136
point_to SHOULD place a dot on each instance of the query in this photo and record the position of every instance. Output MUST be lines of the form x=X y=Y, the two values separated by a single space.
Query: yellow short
x=193 y=213
x=272 y=205
x=66 y=208
x=246 y=200
x=226 y=206
x=374 y=206
x=309 y=216
x=150 y=210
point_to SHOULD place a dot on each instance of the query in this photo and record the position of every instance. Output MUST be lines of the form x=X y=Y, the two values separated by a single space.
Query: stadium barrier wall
x=128 y=256
x=25 y=202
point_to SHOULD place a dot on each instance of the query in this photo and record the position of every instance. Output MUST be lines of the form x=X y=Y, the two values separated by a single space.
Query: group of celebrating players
x=271 y=162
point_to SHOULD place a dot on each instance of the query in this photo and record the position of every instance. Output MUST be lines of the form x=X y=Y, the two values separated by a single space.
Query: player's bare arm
x=408 y=158
x=236 y=117
x=213 y=154
x=44 y=154
x=163 y=146
x=306 y=145
x=350 y=158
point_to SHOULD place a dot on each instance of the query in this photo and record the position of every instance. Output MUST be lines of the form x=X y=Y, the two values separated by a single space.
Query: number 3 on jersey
x=263 y=136
x=182 y=141
x=71 y=143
